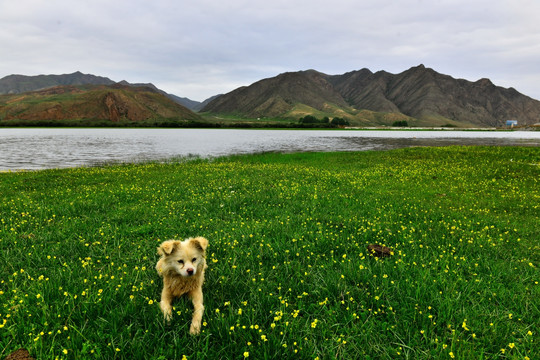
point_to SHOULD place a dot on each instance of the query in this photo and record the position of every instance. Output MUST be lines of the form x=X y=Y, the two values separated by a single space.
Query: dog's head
x=183 y=257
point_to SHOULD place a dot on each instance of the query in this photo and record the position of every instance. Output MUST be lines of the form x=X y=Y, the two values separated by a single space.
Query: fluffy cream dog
x=182 y=265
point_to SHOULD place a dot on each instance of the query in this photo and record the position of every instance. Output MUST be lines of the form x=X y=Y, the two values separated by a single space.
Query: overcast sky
x=201 y=48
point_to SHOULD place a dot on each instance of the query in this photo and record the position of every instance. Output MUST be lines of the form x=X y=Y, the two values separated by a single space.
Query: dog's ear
x=199 y=243
x=167 y=247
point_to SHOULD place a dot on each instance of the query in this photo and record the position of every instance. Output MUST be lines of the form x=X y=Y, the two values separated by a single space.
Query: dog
x=182 y=265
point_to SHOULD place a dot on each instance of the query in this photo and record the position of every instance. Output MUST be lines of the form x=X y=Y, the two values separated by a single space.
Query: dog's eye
x=181 y=262
x=194 y=259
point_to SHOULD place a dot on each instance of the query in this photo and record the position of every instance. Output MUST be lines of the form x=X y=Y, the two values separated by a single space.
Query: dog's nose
x=189 y=271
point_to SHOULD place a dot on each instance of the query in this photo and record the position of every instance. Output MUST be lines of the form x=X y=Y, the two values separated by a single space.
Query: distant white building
x=511 y=123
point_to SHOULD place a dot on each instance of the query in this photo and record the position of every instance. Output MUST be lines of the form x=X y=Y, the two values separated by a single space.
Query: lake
x=44 y=148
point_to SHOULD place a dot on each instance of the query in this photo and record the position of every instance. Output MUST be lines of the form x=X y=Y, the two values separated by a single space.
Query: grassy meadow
x=289 y=275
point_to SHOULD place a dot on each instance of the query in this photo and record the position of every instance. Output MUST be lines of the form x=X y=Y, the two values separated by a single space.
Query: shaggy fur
x=182 y=265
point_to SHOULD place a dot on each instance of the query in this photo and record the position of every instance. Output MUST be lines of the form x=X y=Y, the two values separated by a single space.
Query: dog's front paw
x=167 y=317
x=195 y=329
x=167 y=311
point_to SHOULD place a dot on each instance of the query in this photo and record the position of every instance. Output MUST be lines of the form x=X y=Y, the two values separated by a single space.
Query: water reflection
x=58 y=148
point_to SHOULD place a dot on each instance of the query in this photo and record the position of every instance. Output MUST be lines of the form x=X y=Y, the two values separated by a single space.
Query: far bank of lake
x=43 y=148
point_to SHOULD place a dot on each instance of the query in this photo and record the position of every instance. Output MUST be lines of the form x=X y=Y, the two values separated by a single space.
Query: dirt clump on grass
x=379 y=250
x=21 y=354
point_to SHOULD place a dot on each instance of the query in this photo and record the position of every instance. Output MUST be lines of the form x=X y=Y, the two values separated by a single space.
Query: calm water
x=42 y=148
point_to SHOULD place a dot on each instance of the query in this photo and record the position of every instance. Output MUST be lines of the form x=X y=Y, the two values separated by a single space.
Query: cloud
x=201 y=48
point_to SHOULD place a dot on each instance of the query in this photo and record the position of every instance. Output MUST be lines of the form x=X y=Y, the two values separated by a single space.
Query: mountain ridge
x=421 y=94
x=17 y=84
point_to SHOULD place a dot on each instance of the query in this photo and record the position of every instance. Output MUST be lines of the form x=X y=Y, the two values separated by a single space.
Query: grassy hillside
x=91 y=104
x=289 y=273
x=358 y=118
x=355 y=117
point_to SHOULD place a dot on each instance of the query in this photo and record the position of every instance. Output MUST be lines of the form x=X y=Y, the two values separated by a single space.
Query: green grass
x=227 y=118
x=288 y=272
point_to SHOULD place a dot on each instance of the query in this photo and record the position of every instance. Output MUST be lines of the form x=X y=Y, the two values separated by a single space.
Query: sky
x=201 y=48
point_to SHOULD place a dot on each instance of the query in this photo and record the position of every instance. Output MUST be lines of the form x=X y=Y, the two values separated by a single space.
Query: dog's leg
x=198 y=309
x=165 y=304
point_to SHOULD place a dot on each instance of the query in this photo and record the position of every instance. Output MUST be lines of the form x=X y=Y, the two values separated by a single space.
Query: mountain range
x=419 y=95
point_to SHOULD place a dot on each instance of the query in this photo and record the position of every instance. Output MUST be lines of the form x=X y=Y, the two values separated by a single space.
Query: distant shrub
x=310 y=119
x=339 y=121
x=401 y=123
x=325 y=121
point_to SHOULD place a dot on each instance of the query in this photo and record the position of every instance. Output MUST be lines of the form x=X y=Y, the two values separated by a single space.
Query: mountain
x=190 y=104
x=16 y=84
x=199 y=106
x=420 y=95
x=93 y=103
x=184 y=101
x=276 y=96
